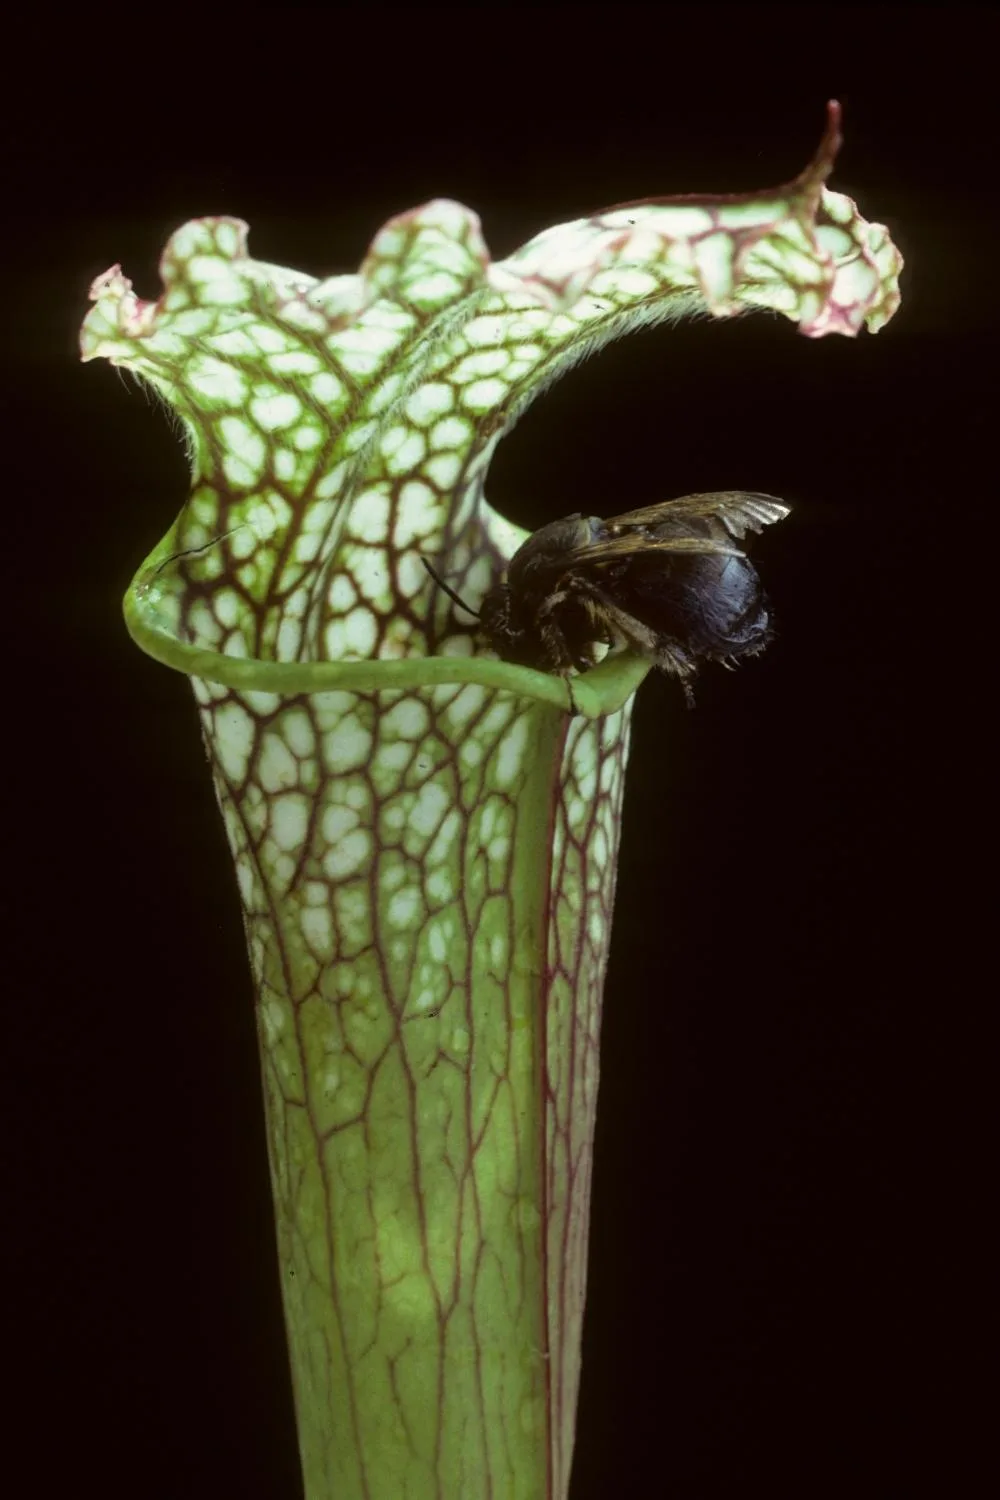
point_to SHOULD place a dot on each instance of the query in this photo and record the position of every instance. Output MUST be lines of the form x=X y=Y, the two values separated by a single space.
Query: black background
x=777 y=1255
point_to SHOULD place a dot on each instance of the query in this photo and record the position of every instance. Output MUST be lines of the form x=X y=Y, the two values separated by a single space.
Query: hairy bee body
x=672 y=582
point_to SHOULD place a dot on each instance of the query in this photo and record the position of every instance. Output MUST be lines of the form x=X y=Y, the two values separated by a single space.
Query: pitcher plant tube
x=425 y=838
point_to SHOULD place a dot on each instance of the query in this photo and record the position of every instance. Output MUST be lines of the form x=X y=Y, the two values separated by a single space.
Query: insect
x=673 y=582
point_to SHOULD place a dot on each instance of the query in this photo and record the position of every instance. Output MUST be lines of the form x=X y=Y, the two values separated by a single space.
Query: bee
x=672 y=582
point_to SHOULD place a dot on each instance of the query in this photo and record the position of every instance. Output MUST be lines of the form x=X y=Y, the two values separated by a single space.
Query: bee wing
x=637 y=540
x=739 y=511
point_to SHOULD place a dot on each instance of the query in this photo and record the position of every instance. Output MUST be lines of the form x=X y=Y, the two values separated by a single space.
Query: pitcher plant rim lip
x=602 y=690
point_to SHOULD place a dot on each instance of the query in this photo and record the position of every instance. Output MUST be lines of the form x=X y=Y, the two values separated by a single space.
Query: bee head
x=495 y=615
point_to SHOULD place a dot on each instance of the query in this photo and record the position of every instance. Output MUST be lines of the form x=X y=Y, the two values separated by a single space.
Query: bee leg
x=678 y=666
x=554 y=641
x=637 y=635
x=615 y=620
x=556 y=646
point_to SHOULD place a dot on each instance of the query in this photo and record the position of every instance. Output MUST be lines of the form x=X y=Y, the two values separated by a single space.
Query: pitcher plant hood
x=340 y=428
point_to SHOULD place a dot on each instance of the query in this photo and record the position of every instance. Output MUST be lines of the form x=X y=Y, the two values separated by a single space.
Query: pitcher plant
x=425 y=837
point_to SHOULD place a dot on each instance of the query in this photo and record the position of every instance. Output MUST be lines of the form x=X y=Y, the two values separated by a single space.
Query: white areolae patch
x=416 y=514
x=275 y=410
x=484 y=395
x=289 y=820
x=429 y=808
x=510 y=757
x=348 y=855
x=429 y=402
x=360 y=632
x=408 y=719
x=244 y=452
x=348 y=746
x=405 y=908
x=233 y=738
x=452 y=432
x=370 y=516
x=403 y=449
x=278 y=770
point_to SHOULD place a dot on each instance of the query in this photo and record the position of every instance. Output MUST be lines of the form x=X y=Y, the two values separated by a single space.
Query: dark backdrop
x=789 y=1009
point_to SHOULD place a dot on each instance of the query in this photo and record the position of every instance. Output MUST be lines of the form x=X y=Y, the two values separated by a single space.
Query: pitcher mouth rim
x=602 y=690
